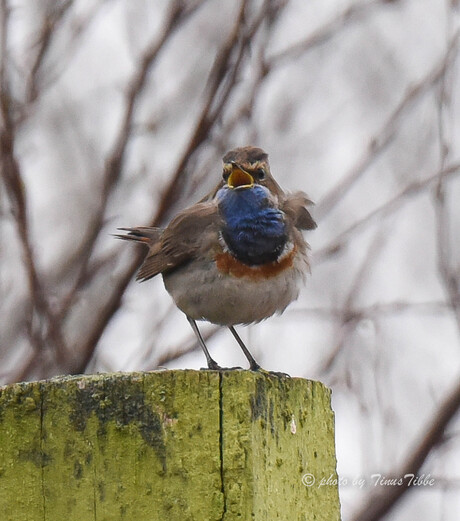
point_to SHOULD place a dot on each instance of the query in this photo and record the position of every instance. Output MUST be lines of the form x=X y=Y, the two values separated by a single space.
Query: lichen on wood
x=185 y=445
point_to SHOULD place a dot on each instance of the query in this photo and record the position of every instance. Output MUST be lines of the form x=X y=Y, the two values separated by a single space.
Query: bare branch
x=114 y=162
x=387 y=309
x=16 y=191
x=413 y=189
x=325 y=33
x=183 y=349
x=449 y=273
x=349 y=319
x=384 y=500
x=207 y=118
x=380 y=504
x=386 y=134
x=51 y=20
x=4 y=20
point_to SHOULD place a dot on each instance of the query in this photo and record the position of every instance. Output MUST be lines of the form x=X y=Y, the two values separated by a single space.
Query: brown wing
x=181 y=240
x=295 y=206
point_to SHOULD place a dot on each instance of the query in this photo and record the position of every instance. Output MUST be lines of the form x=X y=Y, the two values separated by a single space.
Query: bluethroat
x=237 y=256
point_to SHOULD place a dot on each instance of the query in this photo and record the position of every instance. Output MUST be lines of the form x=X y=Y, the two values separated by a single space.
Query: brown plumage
x=205 y=278
x=179 y=242
x=184 y=236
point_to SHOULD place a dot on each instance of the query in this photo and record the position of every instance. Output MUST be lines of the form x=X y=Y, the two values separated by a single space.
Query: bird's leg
x=253 y=365
x=212 y=364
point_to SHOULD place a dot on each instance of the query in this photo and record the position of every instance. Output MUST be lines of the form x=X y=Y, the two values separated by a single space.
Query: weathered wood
x=172 y=445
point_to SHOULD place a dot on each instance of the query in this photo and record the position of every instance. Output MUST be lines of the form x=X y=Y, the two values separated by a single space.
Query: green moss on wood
x=188 y=445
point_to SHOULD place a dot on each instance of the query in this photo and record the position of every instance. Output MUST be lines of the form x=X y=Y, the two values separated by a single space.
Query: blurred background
x=117 y=113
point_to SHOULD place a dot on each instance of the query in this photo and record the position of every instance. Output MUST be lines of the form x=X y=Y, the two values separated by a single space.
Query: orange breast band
x=229 y=265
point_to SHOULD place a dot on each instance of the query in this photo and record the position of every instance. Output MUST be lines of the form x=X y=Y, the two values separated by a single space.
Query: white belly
x=202 y=292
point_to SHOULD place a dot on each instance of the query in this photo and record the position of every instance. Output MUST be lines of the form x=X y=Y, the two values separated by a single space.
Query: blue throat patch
x=254 y=231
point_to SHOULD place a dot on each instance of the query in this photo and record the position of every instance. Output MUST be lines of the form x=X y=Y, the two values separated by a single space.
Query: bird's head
x=246 y=167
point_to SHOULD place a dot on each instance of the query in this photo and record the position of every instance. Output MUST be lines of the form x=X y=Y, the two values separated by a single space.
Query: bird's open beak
x=239 y=178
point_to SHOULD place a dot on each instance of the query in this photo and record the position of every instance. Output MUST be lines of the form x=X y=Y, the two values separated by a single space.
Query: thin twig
x=380 y=503
x=349 y=319
x=386 y=309
x=411 y=190
x=114 y=163
x=52 y=18
x=207 y=118
x=185 y=348
x=325 y=33
x=385 y=135
x=16 y=191
x=449 y=273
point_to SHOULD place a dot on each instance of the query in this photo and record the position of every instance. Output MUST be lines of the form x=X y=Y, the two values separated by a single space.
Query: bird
x=237 y=256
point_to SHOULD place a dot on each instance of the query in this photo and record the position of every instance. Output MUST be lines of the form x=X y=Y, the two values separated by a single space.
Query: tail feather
x=154 y=262
x=143 y=234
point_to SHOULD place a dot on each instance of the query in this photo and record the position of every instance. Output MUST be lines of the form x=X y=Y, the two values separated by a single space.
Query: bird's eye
x=260 y=174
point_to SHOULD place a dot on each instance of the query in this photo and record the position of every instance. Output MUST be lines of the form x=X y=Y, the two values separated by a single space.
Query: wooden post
x=170 y=445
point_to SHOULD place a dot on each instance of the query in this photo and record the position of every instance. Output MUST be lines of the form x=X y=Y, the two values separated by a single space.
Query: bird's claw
x=277 y=374
x=217 y=367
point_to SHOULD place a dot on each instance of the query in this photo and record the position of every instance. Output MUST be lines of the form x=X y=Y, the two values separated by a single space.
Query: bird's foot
x=258 y=369
x=214 y=366
x=278 y=374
